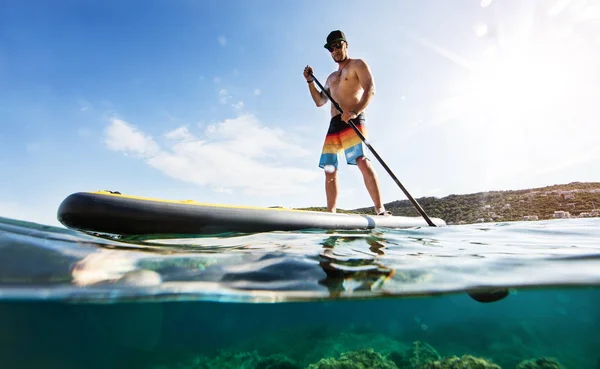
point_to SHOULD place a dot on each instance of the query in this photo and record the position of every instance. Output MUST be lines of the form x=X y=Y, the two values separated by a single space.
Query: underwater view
x=495 y=295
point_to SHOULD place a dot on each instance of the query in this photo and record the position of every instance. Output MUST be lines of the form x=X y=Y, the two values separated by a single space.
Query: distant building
x=530 y=217
x=561 y=214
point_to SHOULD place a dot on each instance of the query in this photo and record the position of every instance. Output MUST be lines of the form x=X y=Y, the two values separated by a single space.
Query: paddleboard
x=115 y=213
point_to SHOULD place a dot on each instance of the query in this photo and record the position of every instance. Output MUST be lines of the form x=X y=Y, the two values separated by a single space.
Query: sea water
x=321 y=299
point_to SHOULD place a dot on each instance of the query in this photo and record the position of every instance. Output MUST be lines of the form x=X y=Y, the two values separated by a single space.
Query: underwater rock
x=277 y=361
x=361 y=359
x=230 y=359
x=226 y=359
x=415 y=357
x=308 y=345
x=464 y=362
x=540 y=363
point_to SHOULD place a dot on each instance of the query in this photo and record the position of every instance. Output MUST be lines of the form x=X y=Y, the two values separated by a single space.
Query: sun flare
x=520 y=85
x=527 y=95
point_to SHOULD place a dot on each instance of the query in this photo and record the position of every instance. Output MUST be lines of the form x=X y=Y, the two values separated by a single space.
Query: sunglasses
x=337 y=45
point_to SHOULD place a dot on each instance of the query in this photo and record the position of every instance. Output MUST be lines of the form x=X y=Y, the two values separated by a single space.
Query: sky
x=206 y=101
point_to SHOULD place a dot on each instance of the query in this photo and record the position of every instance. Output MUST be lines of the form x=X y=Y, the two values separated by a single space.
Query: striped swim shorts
x=342 y=137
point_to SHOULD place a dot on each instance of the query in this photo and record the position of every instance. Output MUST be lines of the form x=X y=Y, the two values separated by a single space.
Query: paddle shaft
x=363 y=138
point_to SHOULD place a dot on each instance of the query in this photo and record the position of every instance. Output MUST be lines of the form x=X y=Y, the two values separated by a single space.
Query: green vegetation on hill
x=498 y=206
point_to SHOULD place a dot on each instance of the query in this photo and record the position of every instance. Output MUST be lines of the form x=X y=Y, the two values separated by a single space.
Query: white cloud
x=222 y=40
x=246 y=135
x=235 y=154
x=224 y=97
x=257 y=92
x=179 y=134
x=217 y=80
x=120 y=136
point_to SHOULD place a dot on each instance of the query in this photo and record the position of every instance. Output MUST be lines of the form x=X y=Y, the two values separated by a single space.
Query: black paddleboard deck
x=115 y=213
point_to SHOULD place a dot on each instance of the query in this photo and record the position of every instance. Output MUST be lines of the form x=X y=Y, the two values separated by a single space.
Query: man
x=352 y=87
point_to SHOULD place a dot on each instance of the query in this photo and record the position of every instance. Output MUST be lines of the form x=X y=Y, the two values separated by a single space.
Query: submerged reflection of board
x=112 y=212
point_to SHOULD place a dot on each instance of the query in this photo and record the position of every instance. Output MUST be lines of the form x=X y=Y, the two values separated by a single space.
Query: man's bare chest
x=346 y=80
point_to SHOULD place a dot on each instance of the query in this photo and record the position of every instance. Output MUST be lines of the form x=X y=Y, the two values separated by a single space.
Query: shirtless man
x=352 y=87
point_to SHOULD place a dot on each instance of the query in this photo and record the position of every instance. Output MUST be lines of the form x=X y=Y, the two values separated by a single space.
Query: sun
x=528 y=90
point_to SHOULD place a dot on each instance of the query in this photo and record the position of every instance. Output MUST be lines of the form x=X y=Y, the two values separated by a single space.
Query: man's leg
x=331 y=190
x=371 y=182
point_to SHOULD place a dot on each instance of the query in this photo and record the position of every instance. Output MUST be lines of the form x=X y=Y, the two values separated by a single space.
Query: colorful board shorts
x=341 y=136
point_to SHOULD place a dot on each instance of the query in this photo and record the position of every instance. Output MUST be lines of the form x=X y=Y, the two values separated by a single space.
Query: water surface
x=291 y=299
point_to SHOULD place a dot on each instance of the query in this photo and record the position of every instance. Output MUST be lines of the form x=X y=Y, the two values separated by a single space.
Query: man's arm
x=318 y=96
x=365 y=78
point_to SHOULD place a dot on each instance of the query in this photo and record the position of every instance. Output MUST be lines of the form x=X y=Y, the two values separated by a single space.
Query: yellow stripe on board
x=190 y=202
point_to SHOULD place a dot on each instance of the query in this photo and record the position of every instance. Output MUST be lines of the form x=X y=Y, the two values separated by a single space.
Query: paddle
x=489 y=296
x=414 y=202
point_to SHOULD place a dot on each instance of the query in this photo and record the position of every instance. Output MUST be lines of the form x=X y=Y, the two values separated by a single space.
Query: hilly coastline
x=576 y=199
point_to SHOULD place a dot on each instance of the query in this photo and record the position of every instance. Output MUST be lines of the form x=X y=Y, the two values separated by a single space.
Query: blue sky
x=205 y=100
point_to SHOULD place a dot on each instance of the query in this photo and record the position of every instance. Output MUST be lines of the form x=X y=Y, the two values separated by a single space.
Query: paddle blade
x=489 y=296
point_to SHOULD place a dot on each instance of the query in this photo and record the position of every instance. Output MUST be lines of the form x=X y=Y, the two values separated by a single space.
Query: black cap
x=335 y=36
